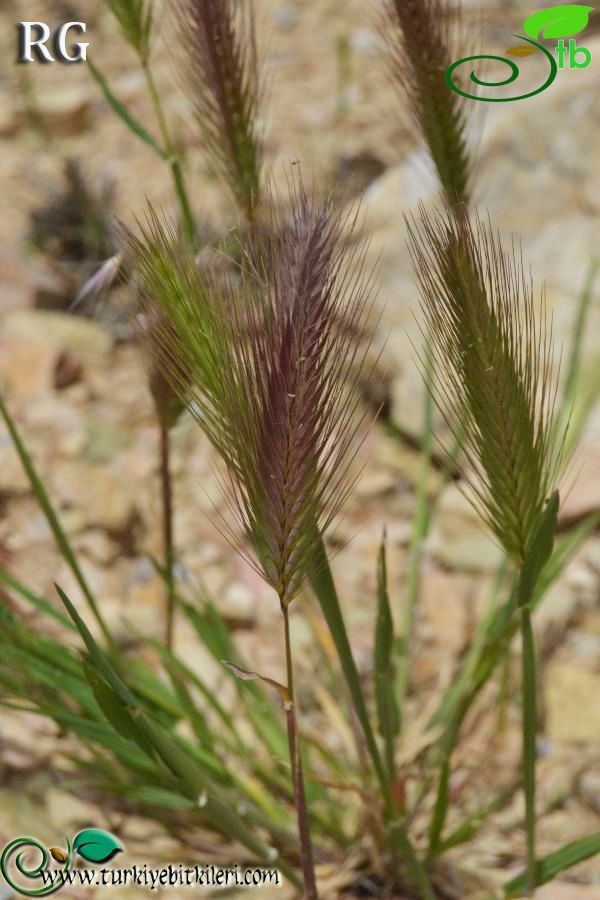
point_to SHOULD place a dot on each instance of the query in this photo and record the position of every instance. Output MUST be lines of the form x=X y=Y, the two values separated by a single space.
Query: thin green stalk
x=57 y=530
x=416 y=870
x=538 y=554
x=167 y=525
x=529 y=741
x=440 y=809
x=421 y=523
x=323 y=585
x=187 y=218
x=306 y=853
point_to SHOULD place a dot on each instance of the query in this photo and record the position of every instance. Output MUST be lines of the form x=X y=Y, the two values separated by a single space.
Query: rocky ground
x=79 y=395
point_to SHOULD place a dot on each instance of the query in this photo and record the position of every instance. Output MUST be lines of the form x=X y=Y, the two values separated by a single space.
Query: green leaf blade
x=539 y=552
x=387 y=708
x=123 y=113
x=552 y=865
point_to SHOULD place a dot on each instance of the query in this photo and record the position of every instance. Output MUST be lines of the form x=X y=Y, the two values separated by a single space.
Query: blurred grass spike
x=270 y=370
x=493 y=369
x=135 y=21
x=417 y=36
x=493 y=361
x=222 y=72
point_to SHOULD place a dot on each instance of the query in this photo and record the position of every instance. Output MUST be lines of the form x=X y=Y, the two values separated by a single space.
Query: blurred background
x=75 y=382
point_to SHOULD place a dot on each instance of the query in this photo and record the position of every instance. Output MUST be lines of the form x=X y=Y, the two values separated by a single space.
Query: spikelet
x=493 y=368
x=135 y=21
x=272 y=368
x=222 y=73
x=419 y=48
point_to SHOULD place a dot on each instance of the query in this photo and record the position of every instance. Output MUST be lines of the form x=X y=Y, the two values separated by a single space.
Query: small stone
x=237 y=603
x=90 y=341
x=376 y=484
x=68 y=812
x=567 y=891
x=9 y=121
x=13 y=479
x=68 y=370
x=66 y=111
x=286 y=18
x=459 y=538
x=589 y=787
x=97 y=546
x=572 y=703
x=108 y=501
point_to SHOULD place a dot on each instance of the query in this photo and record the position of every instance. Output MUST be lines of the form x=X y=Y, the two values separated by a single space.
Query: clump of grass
x=493 y=362
x=269 y=371
x=418 y=39
x=268 y=362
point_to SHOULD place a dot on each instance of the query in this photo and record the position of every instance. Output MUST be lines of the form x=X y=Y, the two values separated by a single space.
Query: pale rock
x=66 y=111
x=589 y=788
x=582 y=494
x=286 y=18
x=20 y=815
x=376 y=484
x=572 y=703
x=88 y=340
x=26 y=367
x=237 y=603
x=9 y=122
x=560 y=890
x=12 y=475
x=96 y=545
x=109 y=501
x=459 y=538
x=68 y=813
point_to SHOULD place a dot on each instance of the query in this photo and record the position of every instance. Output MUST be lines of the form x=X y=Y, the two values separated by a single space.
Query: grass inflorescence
x=268 y=351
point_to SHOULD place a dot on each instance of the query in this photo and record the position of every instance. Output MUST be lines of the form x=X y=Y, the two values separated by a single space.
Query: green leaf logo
x=95 y=845
x=558 y=22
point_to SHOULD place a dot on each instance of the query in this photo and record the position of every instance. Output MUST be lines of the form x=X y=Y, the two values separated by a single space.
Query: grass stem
x=187 y=218
x=421 y=522
x=416 y=870
x=306 y=853
x=166 y=486
x=59 y=534
x=529 y=740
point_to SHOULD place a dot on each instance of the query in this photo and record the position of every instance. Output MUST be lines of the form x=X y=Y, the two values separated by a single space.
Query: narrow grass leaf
x=539 y=552
x=123 y=113
x=323 y=586
x=385 y=697
x=97 y=655
x=114 y=709
x=552 y=865
x=51 y=517
x=36 y=600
